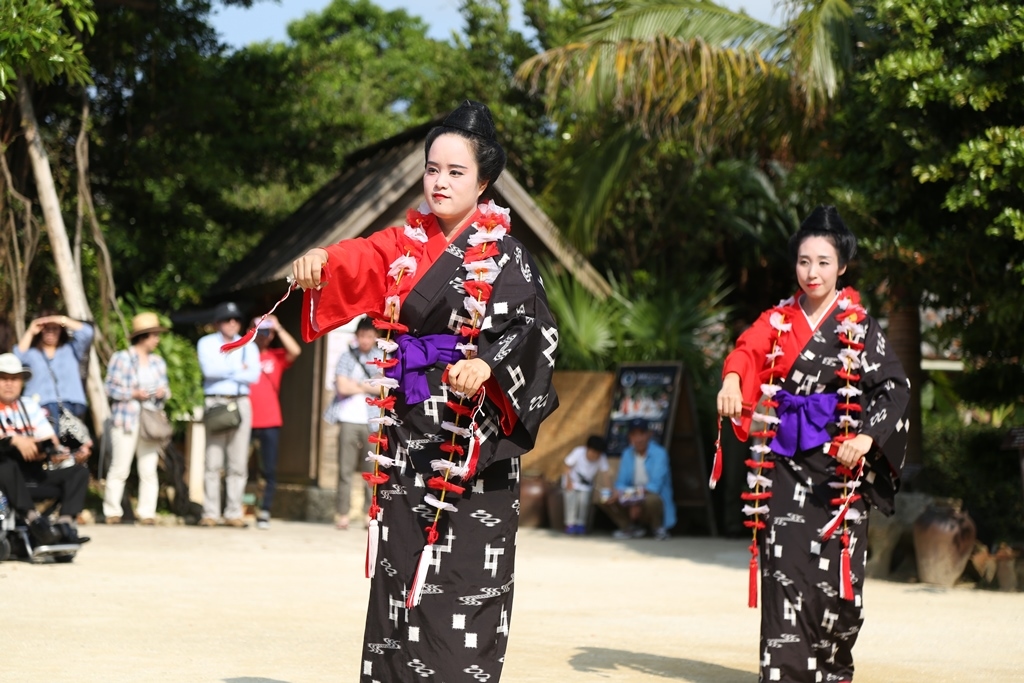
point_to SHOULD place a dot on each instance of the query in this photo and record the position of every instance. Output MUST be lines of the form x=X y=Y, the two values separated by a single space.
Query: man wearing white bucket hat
x=29 y=441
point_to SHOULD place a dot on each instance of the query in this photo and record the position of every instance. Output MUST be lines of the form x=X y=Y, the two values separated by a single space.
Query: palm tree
x=669 y=68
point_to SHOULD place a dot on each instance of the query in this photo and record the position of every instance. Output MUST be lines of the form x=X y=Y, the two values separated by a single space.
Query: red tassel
x=845 y=574
x=716 y=468
x=752 y=592
x=474 y=456
x=380 y=439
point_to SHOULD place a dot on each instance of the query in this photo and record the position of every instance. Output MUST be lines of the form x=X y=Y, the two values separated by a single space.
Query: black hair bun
x=473 y=118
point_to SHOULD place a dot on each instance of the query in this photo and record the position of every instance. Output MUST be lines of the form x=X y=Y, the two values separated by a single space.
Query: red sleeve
x=355 y=277
x=500 y=400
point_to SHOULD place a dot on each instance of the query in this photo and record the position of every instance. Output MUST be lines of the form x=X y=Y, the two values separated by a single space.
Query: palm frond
x=657 y=62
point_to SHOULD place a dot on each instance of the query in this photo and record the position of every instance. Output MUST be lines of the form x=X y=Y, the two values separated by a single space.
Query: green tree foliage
x=37 y=44
x=926 y=157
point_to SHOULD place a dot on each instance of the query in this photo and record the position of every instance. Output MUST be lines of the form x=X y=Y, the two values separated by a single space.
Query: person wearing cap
x=642 y=498
x=54 y=347
x=227 y=377
x=266 y=403
x=136 y=378
x=27 y=438
x=352 y=386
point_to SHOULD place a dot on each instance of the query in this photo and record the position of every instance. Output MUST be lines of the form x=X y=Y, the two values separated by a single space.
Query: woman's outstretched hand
x=730 y=398
x=306 y=269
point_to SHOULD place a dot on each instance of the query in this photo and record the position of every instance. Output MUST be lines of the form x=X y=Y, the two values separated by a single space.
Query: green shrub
x=966 y=462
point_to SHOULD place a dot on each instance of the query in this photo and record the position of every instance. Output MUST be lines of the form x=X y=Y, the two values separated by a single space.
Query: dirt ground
x=184 y=604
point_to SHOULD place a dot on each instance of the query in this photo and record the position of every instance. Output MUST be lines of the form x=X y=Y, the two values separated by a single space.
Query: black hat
x=226 y=311
x=639 y=425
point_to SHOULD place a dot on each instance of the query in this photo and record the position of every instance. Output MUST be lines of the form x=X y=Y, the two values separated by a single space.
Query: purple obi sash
x=803 y=422
x=416 y=355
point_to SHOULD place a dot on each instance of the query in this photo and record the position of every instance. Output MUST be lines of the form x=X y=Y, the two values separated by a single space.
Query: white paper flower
x=466 y=349
x=755 y=479
x=386 y=346
x=770 y=390
x=846 y=421
x=849 y=392
x=767 y=419
x=429 y=499
x=418 y=234
x=778 y=321
x=474 y=306
x=455 y=429
x=750 y=510
x=850 y=358
x=776 y=352
x=386 y=382
x=481 y=236
x=382 y=460
x=406 y=263
x=761 y=449
x=484 y=271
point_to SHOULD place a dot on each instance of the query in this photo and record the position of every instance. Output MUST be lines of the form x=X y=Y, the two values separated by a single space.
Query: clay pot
x=944 y=538
x=533 y=492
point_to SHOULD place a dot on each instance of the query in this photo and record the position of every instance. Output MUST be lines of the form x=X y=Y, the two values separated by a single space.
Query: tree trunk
x=904 y=336
x=70 y=280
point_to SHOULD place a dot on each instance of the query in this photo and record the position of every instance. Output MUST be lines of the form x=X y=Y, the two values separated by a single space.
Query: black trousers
x=12 y=483
x=69 y=485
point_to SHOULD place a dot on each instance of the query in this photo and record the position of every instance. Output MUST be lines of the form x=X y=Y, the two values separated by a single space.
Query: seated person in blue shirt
x=642 y=498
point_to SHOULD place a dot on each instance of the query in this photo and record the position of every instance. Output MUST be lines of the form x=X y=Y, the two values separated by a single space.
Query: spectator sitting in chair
x=643 y=490
x=47 y=469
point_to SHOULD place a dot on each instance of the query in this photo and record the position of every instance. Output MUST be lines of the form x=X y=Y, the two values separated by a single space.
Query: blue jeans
x=53 y=410
x=268 y=438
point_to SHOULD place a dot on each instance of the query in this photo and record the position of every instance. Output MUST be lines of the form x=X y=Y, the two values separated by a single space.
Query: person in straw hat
x=136 y=378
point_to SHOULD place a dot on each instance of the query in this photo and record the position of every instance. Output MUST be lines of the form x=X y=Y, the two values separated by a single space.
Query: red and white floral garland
x=482 y=268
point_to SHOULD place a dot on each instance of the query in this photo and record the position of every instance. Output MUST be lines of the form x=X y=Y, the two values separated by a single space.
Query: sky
x=268 y=19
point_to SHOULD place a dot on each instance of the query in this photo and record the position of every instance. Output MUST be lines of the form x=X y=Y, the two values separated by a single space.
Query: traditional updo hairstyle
x=472 y=121
x=825 y=222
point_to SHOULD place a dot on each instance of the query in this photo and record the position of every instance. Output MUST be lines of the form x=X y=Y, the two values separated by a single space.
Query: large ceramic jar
x=532 y=500
x=944 y=538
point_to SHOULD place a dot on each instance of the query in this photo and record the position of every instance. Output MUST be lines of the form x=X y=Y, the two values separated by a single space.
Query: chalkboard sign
x=647 y=391
x=661 y=394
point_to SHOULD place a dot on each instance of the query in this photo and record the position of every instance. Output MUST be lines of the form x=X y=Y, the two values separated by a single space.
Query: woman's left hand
x=850 y=452
x=467 y=376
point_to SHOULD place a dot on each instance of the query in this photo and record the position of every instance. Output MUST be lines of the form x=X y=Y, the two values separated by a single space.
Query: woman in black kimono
x=822 y=397
x=469 y=348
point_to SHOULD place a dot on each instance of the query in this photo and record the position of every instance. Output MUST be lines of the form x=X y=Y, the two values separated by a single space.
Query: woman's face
x=451 y=182
x=150 y=342
x=817 y=268
x=51 y=334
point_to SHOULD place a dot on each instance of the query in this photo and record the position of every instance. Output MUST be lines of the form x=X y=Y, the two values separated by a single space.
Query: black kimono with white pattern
x=807 y=631
x=459 y=631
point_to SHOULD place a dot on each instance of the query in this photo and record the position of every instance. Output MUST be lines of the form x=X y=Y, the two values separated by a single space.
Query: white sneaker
x=661 y=534
x=263 y=520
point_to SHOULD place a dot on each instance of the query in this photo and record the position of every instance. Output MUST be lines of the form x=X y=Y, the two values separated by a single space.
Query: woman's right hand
x=730 y=397
x=306 y=269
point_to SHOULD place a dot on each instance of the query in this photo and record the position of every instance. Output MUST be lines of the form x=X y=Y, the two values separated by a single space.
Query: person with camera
x=227 y=378
x=136 y=382
x=29 y=441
